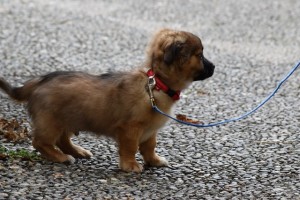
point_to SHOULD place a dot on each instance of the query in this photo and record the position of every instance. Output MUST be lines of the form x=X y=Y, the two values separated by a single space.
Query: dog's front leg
x=147 y=149
x=128 y=146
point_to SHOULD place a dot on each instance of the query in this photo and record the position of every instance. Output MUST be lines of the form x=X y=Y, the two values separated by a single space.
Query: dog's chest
x=153 y=126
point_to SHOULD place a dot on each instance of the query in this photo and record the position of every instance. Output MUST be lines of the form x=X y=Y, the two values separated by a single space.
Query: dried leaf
x=3 y=156
x=58 y=175
x=188 y=120
x=10 y=135
x=13 y=130
x=202 y=92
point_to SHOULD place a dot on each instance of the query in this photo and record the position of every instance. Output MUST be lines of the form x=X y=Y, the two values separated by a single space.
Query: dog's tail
x=19 y=93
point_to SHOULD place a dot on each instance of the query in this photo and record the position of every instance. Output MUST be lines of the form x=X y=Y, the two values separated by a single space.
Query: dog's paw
x=88 y=154
x=162 y=162
x=69 y=160
x=83 y=153
x=157 y=161
x=131 y=167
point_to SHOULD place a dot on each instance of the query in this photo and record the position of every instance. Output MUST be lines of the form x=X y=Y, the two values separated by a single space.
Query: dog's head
x=177 y=58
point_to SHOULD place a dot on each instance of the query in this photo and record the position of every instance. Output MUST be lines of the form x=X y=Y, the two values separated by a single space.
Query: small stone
x=103 y=181
x=2 y=195
x=179 y=181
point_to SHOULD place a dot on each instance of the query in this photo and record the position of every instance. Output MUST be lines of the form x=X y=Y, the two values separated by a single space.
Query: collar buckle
x=151 y=85
x=151 y=82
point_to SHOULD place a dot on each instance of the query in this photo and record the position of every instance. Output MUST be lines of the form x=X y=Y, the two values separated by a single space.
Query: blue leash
x=235 y=118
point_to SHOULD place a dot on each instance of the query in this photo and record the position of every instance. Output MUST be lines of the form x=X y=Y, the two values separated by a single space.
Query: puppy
x=115 y=104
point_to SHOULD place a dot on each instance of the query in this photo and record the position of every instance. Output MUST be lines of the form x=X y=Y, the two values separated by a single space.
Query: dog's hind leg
x=65 y=144
x=45 y=136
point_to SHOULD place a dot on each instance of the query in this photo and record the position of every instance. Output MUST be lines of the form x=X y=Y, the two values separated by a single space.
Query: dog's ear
x=172 y=52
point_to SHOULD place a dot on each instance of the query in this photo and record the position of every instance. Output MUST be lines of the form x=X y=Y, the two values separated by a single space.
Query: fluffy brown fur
x=114 y=104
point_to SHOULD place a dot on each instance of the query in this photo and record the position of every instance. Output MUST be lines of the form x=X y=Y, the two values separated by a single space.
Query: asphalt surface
x=253 y=45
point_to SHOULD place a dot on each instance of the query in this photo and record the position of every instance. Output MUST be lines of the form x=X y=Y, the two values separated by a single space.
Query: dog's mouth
x=208 y=71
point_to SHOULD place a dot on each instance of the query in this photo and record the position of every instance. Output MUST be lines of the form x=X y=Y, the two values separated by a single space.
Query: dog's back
x=79 y=101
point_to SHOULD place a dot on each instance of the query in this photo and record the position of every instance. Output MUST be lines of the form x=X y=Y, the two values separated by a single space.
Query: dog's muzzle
x=209 y=69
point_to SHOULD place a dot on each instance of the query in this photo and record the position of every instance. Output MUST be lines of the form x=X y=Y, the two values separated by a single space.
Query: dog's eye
x=200 y=56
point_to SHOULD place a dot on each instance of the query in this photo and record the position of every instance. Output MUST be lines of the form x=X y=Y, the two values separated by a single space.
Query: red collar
x=175 y=95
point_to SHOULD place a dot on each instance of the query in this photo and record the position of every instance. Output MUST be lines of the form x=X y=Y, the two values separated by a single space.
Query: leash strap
x=235 y=118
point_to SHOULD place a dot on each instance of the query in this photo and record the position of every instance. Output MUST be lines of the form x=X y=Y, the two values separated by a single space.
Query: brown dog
x=113 y=104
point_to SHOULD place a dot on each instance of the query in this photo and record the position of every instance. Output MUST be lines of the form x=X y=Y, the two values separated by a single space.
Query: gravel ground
x=253 y=44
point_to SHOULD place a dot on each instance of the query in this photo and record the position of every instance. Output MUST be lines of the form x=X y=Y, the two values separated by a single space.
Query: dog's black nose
x=209 y=67
x=208 y=71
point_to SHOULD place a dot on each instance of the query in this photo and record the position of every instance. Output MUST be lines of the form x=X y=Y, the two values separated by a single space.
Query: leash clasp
x=151 y=85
